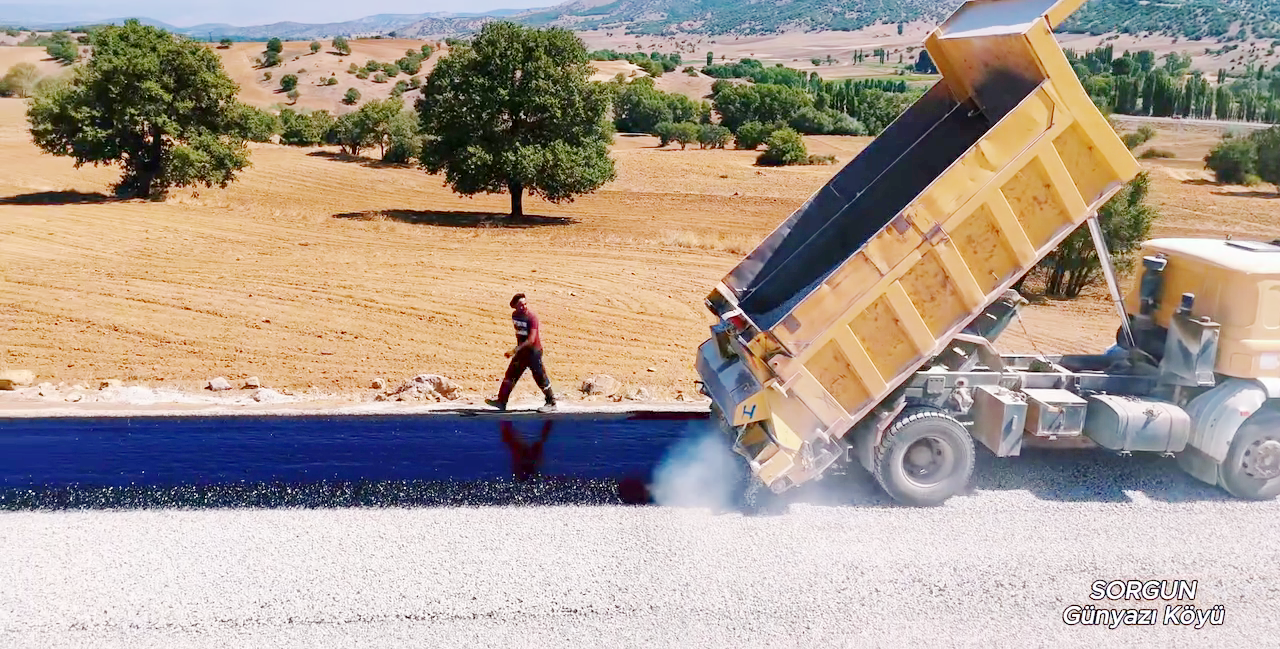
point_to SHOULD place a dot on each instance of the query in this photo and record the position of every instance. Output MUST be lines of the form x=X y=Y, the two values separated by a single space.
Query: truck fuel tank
x=1124 y=423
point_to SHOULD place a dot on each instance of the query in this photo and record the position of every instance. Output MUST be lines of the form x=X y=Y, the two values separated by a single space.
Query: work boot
x=551 y=399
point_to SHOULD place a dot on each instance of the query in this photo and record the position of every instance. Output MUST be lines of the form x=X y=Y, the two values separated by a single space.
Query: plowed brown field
x=314 y=270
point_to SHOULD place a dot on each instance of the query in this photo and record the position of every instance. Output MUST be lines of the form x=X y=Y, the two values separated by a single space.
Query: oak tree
x=515 y=110
x=159 y=105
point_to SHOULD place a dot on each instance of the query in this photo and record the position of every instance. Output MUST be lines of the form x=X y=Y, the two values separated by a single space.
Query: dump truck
x=860 y=331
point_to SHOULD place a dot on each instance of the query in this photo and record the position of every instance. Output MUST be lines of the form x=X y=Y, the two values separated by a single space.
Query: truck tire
x=1251 y=470
x=926 y=457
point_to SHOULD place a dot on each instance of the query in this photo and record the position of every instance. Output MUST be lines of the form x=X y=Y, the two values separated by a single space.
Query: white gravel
x=992 y=568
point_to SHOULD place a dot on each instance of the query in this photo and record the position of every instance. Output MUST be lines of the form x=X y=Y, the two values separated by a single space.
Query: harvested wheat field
x=316 y=270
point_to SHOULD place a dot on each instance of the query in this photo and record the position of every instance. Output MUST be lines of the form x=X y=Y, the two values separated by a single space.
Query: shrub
x=224 y=43
x=1157 y=153
x=410 y=64
x=341 y=46
x=372 y=65
x=664 y=131
x=783 y=147
x=315 y=46
x=1139 y=138
x=362 y=74
x=288 y=82
x=62 y=49
x=275 y=45
x=1268 y=160
x=380 y=78
x=353 y=68
x=331 y=81
x=391 y=69
x=270 y=60
x=351 y=97
x=713 y=136
x=415 y=83
x=690 y=70
x=255 y=124
x=20 y=80
x=400 y=87
x=685 y=133
x=301 y=129
x=403 y=149
x=821 y=160
x=751 y=135
x=266 y=76
x=1233 y=159
x=293 y=95
x=426 y=51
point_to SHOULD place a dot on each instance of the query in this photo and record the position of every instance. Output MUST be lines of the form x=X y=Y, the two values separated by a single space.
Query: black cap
x=517 y=298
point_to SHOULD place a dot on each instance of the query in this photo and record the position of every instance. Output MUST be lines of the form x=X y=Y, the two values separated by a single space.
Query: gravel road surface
x=995 y=567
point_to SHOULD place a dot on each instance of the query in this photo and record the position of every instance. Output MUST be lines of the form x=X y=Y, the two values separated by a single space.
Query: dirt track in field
x=315 y=270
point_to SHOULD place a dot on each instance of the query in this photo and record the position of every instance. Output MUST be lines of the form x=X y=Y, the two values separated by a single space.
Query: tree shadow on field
x=1253 y=193
x=458 y=219
x=1201 y=182
x=58 y=198
x=371 y=163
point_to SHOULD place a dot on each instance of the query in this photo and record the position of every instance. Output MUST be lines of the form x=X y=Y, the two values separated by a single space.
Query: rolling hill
x=1221 y=20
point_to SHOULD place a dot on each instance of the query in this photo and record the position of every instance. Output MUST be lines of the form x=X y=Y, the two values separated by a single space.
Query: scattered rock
x=219 y=384
x=651 y=369
x=252 y=383
x=600 y=384
x=637 y=394
x=14 y=379
x=439 y=384
x=47 y=390
x=267 y=395
x=378 y=384
x=109 y=383
x=424 y=387
x=75 y=397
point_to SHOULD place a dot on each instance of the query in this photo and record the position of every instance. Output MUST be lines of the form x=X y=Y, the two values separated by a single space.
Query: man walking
x=527 y=355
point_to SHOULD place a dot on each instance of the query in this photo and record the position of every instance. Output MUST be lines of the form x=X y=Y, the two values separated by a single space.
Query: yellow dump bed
x=913 y=239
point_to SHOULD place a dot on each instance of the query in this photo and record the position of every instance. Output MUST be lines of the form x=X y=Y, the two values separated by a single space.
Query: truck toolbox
x=880 y=269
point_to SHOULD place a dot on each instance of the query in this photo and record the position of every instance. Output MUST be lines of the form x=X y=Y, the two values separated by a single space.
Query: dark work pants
x=528 y=359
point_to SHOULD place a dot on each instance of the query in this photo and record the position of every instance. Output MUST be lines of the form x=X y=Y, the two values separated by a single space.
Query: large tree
x=515 y=110
x=159 y=105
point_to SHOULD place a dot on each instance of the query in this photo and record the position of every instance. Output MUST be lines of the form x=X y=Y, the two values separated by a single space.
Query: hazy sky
x=243 y=12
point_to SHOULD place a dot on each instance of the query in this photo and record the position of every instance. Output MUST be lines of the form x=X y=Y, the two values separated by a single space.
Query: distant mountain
x=367 y=26
x=84 y=23
x=380 y=24
x=1218 y=19
x=1209 y=19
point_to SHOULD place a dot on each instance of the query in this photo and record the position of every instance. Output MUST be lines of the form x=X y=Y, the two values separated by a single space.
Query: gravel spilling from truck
x=995 y=567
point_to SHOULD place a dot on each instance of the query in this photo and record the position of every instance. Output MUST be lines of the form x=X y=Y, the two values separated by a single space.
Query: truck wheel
x=1251 y=470
x=926 y=457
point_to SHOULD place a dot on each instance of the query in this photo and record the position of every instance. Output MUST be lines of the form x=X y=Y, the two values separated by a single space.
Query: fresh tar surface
x=836 y=566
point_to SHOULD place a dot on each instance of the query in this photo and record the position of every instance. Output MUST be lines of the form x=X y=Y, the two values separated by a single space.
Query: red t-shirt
x=526 y=323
